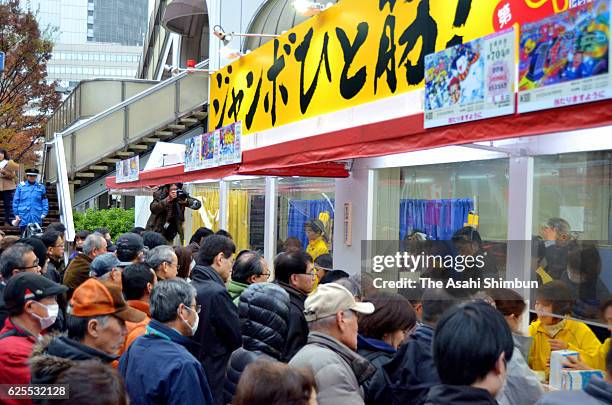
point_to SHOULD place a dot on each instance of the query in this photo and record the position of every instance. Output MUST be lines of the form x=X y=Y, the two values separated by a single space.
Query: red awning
x=172 y=174
x=317 y=156
x=406 y=134
x=323 y=169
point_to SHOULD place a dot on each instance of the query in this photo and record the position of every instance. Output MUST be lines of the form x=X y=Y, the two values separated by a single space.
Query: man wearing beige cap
x=331 y=313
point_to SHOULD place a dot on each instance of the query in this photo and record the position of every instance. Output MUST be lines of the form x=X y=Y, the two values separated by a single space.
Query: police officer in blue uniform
x=30 y=204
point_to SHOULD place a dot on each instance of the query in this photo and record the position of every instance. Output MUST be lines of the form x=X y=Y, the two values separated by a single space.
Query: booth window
x=301 y=200
x=438 y=199
x=246 y=217
x=571 y=223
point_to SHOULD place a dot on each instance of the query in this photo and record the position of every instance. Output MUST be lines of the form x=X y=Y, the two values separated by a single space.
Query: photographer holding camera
x=168 y=211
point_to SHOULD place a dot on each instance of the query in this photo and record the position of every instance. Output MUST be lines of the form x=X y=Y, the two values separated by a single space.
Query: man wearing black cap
x=30 y=204
x=130 y=248
x=16 y=259
x=31 y=301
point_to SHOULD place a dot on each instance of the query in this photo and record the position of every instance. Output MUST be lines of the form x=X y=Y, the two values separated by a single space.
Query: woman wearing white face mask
x=32 y=306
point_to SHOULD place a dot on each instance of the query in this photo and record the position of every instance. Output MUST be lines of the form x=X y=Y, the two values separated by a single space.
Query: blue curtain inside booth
x=301 y=211
x=439 y=219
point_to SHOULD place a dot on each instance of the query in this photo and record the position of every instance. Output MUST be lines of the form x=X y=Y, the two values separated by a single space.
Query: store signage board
x=350 y=55
x=471 y=81
x=353 y=53
x=127 y=170
x=565 y=59
x=217 y=148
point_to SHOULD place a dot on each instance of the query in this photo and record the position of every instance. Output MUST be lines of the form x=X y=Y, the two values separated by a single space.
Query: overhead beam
x=125 y=154
x=98 y=168
x=164 y=133
x=176 y=127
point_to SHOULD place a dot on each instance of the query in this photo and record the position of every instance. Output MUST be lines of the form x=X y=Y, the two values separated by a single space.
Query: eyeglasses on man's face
x=34 y=265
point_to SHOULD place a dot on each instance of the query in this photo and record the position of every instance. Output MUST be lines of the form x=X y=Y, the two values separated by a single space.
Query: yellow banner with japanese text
x=355 y=52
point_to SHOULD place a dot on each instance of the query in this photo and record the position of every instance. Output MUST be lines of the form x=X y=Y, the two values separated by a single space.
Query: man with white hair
x=331 y=313
x=78 y=269
x=163 y=261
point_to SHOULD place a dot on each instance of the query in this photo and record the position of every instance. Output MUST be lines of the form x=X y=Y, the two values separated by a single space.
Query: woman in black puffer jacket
x=264 y=313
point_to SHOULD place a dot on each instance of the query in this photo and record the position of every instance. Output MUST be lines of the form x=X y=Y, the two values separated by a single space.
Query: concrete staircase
x=53 y=216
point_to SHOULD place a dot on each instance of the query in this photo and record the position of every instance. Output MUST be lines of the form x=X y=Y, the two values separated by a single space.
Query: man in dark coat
x=158 y=368
x=294 y=272
x=219 y=330
x=54 y=242
x=408 y=377
x=472 y=345
x=77 y=271
x=263 y=309
x=168 y=211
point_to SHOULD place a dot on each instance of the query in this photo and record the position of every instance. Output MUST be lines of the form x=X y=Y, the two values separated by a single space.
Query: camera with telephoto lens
x=192 y=203
x=182 y=194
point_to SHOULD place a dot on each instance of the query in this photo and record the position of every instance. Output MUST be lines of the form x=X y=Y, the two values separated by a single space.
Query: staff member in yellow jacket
x=604 y=349
x=552 y=333
x=317 y=243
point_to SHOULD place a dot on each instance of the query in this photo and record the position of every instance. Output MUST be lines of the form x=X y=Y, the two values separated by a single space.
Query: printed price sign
x=470 y=81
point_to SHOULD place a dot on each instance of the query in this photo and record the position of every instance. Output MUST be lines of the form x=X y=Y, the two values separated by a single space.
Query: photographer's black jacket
x=166 y=217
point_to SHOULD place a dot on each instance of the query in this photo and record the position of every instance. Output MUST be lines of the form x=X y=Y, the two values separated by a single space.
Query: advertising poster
x=212 y=149
x=229 y=144
x=127 y=170
x=470 y=81
x=193 y=159
x=209 y=154
x=565 y=58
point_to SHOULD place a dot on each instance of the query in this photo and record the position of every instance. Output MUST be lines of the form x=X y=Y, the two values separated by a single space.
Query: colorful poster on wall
x=209 y=148
x=193 y=148
x=127 y=170
x=470 y=81
x=212 y=149
x=229 y=144
x=565 y=58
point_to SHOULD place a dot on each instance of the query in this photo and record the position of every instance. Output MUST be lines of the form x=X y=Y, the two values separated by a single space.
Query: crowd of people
x=140 y=321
